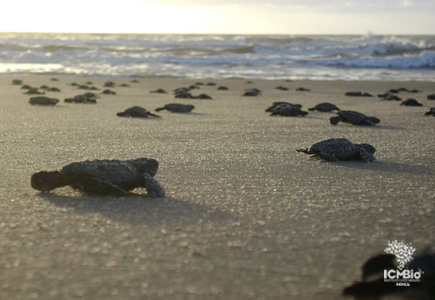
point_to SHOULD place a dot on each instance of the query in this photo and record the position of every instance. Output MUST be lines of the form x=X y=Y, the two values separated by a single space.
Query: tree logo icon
x=402 y=251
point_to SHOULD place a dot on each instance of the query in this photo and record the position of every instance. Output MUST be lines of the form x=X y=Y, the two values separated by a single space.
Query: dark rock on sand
x=324 y=107
x=341 y=149
x=177 y=108
x=353 y=117
x=136 y=112
x=411 y=102
x=105 y=177
x=43 y=101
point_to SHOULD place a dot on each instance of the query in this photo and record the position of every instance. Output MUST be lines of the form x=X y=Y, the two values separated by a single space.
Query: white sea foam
x=221 y=56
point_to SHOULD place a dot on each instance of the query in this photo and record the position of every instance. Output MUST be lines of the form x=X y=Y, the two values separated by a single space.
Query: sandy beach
x=245 y=216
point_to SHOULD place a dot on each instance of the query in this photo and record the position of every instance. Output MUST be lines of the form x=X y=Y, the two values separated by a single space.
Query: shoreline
x=163 y=77
x=245 y=215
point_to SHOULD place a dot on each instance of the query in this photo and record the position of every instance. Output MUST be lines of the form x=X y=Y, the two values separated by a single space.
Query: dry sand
x=245 y=217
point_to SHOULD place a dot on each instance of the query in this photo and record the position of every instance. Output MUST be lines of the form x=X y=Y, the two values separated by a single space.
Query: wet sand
x=245 y=216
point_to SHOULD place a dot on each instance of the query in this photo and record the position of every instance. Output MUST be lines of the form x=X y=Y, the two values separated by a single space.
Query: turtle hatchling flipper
x=303 y=150
x=365 y=156
x=153 y=188
x=46 y=181
x=94 y=185
x=153 y=115
x=372 y=121
x=327 y=156
x=335 y=120
x=160 y=108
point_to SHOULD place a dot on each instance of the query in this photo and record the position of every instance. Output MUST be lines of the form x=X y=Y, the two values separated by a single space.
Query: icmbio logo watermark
x=402 y=276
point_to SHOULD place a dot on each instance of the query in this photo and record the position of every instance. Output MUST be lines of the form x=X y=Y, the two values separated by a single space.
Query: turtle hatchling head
x=46 y=181
x=146 y=165
x=367 y=147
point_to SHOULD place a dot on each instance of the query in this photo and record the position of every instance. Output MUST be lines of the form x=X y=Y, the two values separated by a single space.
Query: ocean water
x=371 y=57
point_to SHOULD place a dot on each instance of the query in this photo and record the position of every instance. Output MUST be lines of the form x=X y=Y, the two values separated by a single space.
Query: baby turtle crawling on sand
x=103 y=177
x=341 y=149
x=411 y=102
x=374 y=286
x=159 y=91
x=353 y=117
x=41 y=100
x=177 y=108
x=136 y=112
x=358 y=94
x=289 y=111
x=83 y=98
x=252 y=92
x=277 y=105
x=324 y=107
x=430 y=112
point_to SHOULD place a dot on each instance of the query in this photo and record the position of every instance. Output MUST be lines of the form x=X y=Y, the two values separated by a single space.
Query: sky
x=221 y=16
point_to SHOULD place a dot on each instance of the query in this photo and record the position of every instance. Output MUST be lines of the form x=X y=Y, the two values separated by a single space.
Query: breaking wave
x=220 y=56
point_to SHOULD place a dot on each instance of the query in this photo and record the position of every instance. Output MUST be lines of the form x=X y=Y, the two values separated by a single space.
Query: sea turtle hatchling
x=411 y=102
x=279 y=104
x=324 y=107
x=41 y=100
x=177 y=108
x=289 y=111
x=374 y=286
x=431 y=112
x=353 y=117
x=341 y=149
x=103 y=177
x=136 y=112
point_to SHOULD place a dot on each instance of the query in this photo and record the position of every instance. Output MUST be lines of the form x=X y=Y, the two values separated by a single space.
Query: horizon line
x=369 y=33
